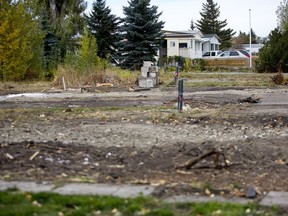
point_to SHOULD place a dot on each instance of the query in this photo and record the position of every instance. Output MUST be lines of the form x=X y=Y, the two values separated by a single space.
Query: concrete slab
x=26 y=186
x=127 y=191
x=87 y=189
x=274 y=198
x=193 y=199
x=124 y=191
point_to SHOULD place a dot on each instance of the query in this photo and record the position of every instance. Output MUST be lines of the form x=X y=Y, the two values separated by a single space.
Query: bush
x=278 y=79
x=273 y=57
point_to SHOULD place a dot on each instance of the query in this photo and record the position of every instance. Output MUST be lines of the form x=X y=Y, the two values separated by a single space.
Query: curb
x=272 y=198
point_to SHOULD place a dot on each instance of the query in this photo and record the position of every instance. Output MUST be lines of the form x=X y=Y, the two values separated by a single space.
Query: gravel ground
x=141 y=138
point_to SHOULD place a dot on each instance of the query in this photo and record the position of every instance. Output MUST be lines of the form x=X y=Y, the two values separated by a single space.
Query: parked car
x=234 y=54
x=211 y=54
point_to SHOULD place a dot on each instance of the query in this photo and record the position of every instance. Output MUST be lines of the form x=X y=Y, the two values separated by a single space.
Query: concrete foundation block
x=147 y=64
x=153 y=69
x=148 y=82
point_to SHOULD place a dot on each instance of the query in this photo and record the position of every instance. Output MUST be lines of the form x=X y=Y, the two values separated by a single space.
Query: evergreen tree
x=141 y=33
x=51 y=47
x=103 y=25
x=192 y=25
x=210 y=23
x=273 y=57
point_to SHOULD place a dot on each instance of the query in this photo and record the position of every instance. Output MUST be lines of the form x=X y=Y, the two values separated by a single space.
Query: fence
x=232 y=62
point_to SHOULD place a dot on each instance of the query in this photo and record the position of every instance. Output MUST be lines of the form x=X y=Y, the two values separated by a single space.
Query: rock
x=251 y=192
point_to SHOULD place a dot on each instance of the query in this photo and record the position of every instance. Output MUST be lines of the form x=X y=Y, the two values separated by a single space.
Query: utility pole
x=250 y=39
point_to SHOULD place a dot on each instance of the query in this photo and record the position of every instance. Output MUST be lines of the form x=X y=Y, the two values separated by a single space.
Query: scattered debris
x=89 y=89
x=34 y=155
x=217 y=154
x=141 y=89
x=281 y=162
x=130 y=89
x=104 y=84
x=249 y=100
x=9 y=156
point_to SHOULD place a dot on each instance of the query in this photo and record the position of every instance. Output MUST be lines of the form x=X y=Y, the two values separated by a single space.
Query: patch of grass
x=221 y=79
x=20 y=203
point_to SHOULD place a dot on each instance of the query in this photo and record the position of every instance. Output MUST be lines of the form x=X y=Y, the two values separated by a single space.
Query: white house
x=188 y=44
x=255 y=48
x=211 y=42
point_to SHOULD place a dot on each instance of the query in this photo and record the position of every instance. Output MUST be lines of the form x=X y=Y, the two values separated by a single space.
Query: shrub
x=278 y=79
x=273 y=57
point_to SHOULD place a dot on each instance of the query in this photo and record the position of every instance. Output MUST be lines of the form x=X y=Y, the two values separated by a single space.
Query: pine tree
x=141 y=33
x=103 y=25
x=210 y=23
x=192 y=25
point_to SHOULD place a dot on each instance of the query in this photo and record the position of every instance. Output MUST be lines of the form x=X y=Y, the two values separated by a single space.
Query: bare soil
x=116 y=136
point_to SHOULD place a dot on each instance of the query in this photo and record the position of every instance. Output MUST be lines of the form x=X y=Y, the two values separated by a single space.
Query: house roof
x=182 y=33
x=211 y=36
x=252 y=45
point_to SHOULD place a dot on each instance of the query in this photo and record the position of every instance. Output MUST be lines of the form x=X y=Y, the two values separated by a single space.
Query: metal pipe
x=180 y=94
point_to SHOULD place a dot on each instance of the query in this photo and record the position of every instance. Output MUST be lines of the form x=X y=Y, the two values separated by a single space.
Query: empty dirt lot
x=116 y=136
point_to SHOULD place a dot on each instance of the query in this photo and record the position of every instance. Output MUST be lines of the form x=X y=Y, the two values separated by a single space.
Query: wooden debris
x=141 y=89
x=9 y=156
x=217 y=154
x=130 y=89
x=34 y=155
x=249 y=100
x=104 y=84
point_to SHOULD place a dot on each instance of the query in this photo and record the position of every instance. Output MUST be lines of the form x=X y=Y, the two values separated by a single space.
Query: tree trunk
x=53 y=12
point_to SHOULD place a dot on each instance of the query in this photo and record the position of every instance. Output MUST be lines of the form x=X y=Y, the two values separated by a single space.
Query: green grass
x=22 y=204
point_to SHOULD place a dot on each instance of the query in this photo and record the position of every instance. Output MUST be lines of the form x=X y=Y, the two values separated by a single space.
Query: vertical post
x=64 y=84
x=180 y=95
x=176 y=73
x=250 y=39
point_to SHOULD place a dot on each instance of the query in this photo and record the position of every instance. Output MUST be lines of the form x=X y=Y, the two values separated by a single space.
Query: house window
x=212 y=47
x=172 y=44
x=183 y=45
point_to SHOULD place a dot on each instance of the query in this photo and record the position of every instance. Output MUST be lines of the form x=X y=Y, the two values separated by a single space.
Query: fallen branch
x=34 y=155
x=9 y=156
x=250 y=100
x=217 y=154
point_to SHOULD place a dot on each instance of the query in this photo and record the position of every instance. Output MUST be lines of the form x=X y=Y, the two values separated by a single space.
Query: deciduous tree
x=20 y=41
x=65 y=19
x=282 y=14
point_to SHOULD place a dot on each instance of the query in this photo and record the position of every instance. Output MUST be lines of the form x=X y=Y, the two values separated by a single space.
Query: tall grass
x=84 y=68
x=92 y=76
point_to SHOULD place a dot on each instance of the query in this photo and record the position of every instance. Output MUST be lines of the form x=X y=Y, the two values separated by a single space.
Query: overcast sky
x=178 y=14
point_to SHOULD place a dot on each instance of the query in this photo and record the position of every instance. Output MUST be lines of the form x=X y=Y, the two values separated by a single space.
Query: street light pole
x=250 y=39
